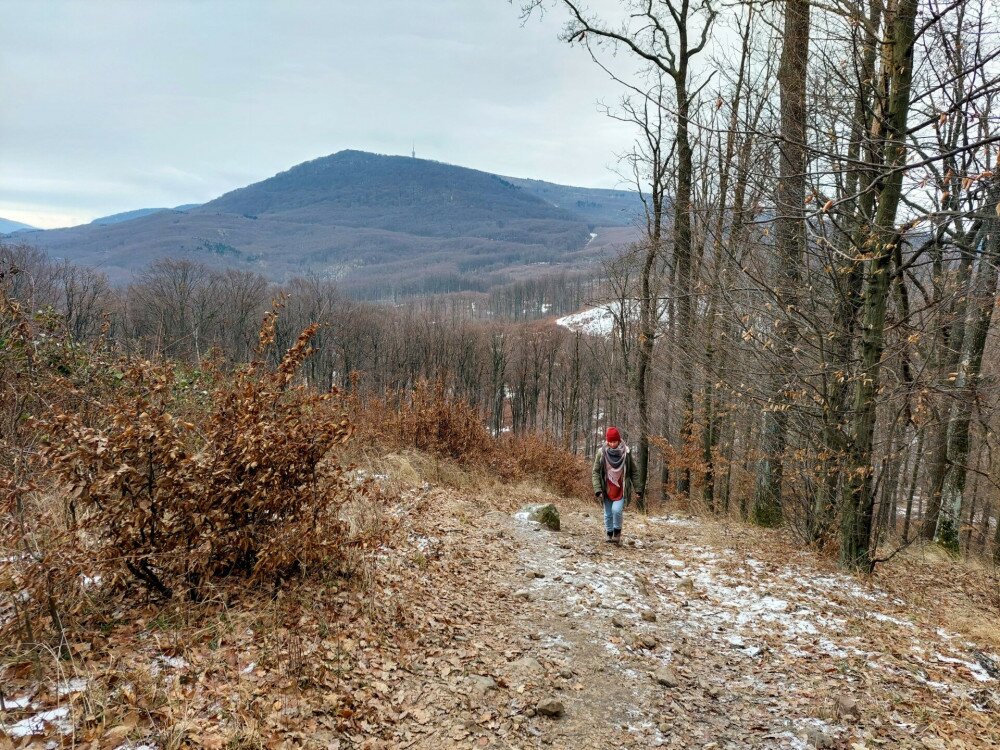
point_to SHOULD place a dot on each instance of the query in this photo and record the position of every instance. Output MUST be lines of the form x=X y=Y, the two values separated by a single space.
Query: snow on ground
x=54 y=718
x=597 y=321
x=775 y=618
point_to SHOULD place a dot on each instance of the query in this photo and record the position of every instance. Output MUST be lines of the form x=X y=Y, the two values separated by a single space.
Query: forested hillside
x=380 y=226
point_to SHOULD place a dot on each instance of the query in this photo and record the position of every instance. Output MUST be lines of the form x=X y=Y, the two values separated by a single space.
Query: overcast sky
x=110 y=105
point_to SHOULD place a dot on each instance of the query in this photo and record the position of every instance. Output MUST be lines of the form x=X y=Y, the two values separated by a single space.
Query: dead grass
x=962 y=595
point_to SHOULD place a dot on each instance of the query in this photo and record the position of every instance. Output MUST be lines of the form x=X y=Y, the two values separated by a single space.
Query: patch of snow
x=173 y=662
x=37 y=724
x=895 y=621
x=422 y=543
x=360 y=476
x=672 y=520
x=597 y=321
x=976 y=669
x=13 y=704
x=73 y=685
x=248 y=668
x=832 y=649
x=556 y=641
x=737 y=642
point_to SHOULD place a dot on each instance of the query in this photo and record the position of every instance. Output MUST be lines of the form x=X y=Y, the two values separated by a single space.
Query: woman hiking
x=616 y=477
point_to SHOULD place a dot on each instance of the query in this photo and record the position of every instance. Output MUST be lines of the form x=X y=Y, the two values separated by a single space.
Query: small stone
x=480 y=684
x=665 y=677
x=648 y=615
x=529 y=712
x=527 y=664
x=566 y=673
x=815 y=737
x=846 y=707
x=550 y=707
x=646 y=641
x=546 y=514
x=617 y=621
x=525 y=595
x=664 y=727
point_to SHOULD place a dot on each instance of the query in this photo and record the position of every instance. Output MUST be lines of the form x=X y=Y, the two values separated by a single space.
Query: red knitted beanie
x=612 y=435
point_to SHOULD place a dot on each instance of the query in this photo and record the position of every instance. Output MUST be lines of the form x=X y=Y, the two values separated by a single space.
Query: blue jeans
x=613 y=510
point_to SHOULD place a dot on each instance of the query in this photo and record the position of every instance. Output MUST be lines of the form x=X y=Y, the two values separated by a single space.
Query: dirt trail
x=682 y=638
x=694 y=634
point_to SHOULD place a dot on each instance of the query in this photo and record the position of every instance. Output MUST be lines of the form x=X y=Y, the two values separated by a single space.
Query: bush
x=180 y=486
x=428 y=419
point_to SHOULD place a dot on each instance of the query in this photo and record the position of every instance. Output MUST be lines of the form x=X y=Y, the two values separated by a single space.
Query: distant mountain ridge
x=599 y=206
x=380 y=225
x=138 y=214
x=8 y=226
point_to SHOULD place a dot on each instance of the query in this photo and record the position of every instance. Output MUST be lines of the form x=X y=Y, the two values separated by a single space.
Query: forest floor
x=475 y=623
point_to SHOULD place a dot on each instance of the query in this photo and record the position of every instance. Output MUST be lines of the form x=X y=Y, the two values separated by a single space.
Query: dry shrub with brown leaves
x=428 y=419
x=244 y=491
x=41 y=370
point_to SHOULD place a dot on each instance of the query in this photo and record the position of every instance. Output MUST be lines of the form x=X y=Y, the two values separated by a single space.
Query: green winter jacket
x=631 y=476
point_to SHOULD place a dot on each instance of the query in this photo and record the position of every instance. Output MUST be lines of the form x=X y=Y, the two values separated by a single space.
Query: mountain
x=600 y=207
x=380 y=225
x=9 y=227
x=138 y=214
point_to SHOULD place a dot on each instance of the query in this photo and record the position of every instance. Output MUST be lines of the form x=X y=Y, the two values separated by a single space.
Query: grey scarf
x=614 y=463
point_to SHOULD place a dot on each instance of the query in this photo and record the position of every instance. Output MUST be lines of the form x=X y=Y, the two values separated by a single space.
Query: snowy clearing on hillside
x=598 y=321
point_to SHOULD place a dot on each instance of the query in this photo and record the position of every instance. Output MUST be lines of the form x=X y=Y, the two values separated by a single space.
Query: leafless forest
x=804 y=334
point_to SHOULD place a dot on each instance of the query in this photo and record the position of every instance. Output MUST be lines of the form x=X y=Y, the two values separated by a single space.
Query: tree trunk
x=790 y=239
x=979 y=314
x=917 y=460
x=858 y=505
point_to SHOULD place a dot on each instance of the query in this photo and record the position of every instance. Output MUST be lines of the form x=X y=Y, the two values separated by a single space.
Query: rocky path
x=496 y=633
x=683 y=638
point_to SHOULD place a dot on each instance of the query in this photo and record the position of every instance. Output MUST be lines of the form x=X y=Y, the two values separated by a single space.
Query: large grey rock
x=546 y=514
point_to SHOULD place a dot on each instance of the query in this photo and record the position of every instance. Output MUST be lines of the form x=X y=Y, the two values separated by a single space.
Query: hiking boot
x=610 y=539
x=617 y=537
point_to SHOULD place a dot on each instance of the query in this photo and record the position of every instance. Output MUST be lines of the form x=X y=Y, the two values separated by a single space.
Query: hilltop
x=382 y=225
x=8 y=226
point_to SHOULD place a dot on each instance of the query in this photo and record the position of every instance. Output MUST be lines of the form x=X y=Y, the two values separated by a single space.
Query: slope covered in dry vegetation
x=225 y=557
